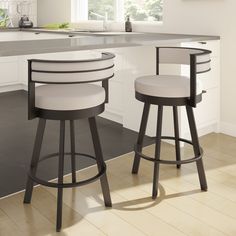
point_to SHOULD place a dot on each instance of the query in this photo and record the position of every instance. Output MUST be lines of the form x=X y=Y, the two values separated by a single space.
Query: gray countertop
x=91 y=41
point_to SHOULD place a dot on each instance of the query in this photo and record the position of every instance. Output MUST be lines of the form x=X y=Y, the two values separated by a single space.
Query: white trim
x=11 y=87
x=227 y=128
x=111 y=115
x=79 y=10
x=119 y=10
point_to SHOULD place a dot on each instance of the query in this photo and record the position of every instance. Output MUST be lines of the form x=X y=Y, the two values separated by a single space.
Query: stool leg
x=196 y=148
x=100 y=161
x=35 y=159
x=157 y=152
x=176 y=128
x=72 y=142
x=141 y=135
x=60 y=175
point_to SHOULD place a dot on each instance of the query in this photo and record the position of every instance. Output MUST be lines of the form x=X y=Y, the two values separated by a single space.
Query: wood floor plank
x=209 y=198
x=95 y=213
x=8 y=227
x=135 y=193
x=203 y=212
x=26 y=217
x=178 y=218
x=142 y=220
x=180 y=209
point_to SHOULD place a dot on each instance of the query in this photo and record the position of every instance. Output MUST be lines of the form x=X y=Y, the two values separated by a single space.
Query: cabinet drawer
x=212 y=45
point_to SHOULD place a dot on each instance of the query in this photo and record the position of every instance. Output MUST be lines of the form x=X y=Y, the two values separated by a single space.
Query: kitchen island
x=135 y=56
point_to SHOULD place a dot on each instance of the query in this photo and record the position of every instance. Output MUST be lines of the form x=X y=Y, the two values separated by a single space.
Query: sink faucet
x=105 y=18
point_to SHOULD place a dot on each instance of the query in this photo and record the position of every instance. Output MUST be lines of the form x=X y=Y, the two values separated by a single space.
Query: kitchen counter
x=135 y=56
x=75 y=41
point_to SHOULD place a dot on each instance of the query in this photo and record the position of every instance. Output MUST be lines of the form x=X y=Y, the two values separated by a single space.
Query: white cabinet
x=130 y=63
x=9 y=70
x=20 y=36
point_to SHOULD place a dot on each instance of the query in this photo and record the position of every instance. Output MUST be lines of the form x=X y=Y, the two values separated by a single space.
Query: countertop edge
x=91 y=41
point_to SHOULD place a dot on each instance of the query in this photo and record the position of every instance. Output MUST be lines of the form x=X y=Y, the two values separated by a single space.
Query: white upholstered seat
x=171 y=86
x=69 y=96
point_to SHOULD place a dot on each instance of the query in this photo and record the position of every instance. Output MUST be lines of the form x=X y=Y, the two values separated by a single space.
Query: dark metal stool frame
x=44 y=115
x=189 y=103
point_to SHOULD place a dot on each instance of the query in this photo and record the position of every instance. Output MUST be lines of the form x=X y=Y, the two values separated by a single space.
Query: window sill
x=114 y=25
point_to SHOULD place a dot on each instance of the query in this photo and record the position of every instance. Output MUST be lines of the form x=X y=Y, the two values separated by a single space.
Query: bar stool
x=68 y=94
x=175 y=91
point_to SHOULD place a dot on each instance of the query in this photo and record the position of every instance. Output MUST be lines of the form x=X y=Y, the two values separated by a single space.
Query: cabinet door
x=9 y=70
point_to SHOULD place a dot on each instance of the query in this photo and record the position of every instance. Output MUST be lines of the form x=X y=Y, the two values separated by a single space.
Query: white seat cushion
x=171 y=86
x=69 y=96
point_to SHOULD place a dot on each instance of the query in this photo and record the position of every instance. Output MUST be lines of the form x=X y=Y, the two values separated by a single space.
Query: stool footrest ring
x=66 y=185
x=148 y=158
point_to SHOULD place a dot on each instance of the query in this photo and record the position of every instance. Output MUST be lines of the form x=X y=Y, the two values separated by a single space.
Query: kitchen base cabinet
x=130 y=63
x=9 y=71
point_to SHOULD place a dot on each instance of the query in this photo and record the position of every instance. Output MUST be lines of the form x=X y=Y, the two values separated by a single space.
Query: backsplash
x=13 y=11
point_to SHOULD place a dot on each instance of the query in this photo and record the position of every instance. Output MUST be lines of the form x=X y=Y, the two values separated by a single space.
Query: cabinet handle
x=202 y=42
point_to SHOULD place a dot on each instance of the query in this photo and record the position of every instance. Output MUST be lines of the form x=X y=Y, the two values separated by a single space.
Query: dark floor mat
x=17 y=138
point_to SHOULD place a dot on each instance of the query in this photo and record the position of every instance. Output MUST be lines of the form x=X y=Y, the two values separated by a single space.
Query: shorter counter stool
x=68 y=94
x=175 y=91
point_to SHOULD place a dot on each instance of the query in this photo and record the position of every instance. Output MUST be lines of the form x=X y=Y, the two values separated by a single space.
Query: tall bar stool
x=68 y=94
x=172 y=90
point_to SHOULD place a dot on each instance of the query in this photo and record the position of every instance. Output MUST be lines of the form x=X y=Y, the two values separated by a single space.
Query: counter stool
x=172 y=90
x=68 y=94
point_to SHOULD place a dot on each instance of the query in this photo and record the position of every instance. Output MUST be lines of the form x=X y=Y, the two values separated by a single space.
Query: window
x=117 y=10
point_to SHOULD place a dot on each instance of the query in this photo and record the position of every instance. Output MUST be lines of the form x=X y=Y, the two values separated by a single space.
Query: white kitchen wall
x=11 y=5
x=210 y=17
x=53 y=11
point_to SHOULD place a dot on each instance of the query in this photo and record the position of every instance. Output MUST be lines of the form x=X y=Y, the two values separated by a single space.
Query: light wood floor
x=181 y=208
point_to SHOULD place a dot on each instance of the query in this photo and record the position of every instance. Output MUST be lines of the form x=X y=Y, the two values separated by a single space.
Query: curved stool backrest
x=68 y=72
x=198 y=60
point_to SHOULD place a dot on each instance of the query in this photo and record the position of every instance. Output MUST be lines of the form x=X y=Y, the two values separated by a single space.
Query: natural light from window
x=117 y=10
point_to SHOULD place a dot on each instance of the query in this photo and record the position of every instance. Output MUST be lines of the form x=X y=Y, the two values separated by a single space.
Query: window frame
x=79 y=12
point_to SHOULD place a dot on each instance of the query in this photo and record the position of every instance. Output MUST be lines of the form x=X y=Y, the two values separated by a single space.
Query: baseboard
x=112 y=116
x=10 y=88
x=227 y=128
x=208 y=128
